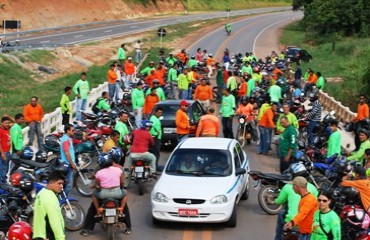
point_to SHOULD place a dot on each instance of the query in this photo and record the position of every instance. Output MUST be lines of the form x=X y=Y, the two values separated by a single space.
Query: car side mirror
x=160 y=168
x=240 y=171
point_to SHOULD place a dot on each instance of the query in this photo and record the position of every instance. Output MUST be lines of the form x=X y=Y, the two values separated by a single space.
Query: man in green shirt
x=183 y=84
x=335 y=140
x=156 y=132
x=232 y=84
x=121 y=127
x=227 y=112
x=103 y=104
x=287 y=144
x=82 y=90
x=171 y=60
x=219 y=81
x=122 y=55
x=192 y=62
x=158 y=89
x=172 y=79
x=291 y=118
x=48 y=222
x=275 y=93
x=320 y=81
x=16 y=134
x=66 y=106
x=365 y=144
x=247 y=69
x=251 y=85
x=146 y=71
x=137 y=99
x=291 y=199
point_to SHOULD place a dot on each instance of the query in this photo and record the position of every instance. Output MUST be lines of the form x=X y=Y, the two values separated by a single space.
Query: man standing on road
x=287 y=144
x=183 y=84
x=65 y=105
x=203 y=94
x=306 y=209
x=335 y=140
x=112 y=79
x=130 y=70
x=33 y=113
x=122 y=54
x=220 y=82
x=5 y=147
x=121 y=127
x=182 y=121
x=290 y=116
x=16 y=134
x=48 y=222
x=67 y=155
x=138 y=45
x=314 y=116
x=209 y=124
x=82 y=90
x=266 y=125
x=227 y=112
x=156 y=132
x=137 y=99
x=172 y=79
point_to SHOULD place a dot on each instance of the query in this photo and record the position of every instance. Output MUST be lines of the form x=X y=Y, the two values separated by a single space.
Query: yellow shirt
x=108 y=145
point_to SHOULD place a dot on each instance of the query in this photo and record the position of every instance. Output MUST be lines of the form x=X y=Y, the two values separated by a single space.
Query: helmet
x=41 y=156
x=105 y=160
x=161 y=62
x=155 y=81
x=313 y=96
x=52 y=141
x=298 y=169
x=210 y=55
x=26 y=183
x=61 y=167
x=193 y=57
x=349 y=192
x=244 y=99
x=20 y=231
x=145 y=123
x=356 y=216
x=27 y=153
x=280 y=82
x=116 y=154
x=15 y=178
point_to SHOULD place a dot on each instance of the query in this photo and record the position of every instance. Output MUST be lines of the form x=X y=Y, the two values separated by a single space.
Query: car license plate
x=169 y=130
x=139 y=169
x=188 y=212
x=110 y=212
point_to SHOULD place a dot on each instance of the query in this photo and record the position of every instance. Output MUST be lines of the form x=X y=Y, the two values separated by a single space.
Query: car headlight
x=219 y=199
x=160 y=197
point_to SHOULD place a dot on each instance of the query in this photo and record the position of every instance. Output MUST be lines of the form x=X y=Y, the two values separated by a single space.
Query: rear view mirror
x=240 y=171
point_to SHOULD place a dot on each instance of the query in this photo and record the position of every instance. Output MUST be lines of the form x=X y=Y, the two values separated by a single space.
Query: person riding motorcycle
x=228 y=28
x=141 y=142
x=247 y=109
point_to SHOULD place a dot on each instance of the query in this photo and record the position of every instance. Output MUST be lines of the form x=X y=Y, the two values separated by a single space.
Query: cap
x=300 y=181
x=139 y=83
x=184 y=103
x=129 y=58
x=155 y=81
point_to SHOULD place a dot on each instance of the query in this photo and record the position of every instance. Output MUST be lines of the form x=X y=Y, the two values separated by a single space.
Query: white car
x=203 y=181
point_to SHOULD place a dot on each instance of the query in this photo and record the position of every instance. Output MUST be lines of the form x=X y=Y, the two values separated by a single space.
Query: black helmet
x=105 y=160
x=27 y=153
x=41 y=156
x=26 y=183
x=364 y=131
x=52 y=141
x=61 y=167
x=298 y=169
x=349 y=192
x=244 y=99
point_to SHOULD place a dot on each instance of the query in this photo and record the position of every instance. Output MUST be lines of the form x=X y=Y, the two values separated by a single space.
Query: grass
x=203 y=5
x=348 y=60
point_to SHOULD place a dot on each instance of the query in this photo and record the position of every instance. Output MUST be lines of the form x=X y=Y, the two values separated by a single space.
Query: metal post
x=4 y=26
x=228 y=15
x=161 y=39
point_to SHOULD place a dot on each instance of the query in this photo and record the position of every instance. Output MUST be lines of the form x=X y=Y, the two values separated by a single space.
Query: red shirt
x=141 y=141
x=5 y=139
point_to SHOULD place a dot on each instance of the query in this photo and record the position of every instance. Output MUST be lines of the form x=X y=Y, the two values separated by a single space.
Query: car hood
x=193 y=186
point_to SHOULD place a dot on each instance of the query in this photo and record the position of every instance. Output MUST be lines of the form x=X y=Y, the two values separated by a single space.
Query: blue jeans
x=265 y=140
x=81 y=106
x=304 y=236
x=4 y=167
x=35 y=129
x=183 y=94
x=280 y=225
x=118 y=85
x=139 y=116
x=138 y=57
x=310 y=127
x=69 y=182
x=112 y=91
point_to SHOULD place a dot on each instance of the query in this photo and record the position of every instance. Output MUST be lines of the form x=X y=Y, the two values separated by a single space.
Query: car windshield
x=200 y=163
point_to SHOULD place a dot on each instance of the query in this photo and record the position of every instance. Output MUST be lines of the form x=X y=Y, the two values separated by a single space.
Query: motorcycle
x=244 y=131
x=139 y=171
x=110 y=219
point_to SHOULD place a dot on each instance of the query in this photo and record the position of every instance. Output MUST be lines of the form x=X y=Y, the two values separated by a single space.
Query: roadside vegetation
x=204 y=5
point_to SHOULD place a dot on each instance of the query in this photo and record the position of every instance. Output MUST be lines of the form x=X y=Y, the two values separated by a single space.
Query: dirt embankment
x=36 y=14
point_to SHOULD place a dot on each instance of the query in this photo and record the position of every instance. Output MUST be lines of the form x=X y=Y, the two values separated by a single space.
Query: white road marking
x=78 y=36
x=133 y=27
x=45 y=41
x=108 y=30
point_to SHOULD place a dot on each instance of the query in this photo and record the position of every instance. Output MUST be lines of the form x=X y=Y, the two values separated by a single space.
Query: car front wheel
x=232 y=221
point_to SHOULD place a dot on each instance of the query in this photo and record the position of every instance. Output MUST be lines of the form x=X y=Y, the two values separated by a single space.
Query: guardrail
x=342 y=113
x=29 y=46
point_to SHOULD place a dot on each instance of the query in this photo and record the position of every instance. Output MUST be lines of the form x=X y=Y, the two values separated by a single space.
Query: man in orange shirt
x=243 y=88
x=266 y=125
x=209 y=124
x=150 y=78
x=182 y=121
x=306 y=209
x=149 y=103
x=182 y=57
x=130 y=70
x=203 y=93
x=33 y=114
x=210 y=62
x=112 y=78
x=362 y=114
x=311 y=81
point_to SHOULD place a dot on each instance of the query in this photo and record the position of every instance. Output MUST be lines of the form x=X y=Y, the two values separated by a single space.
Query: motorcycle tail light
x=110 y=205
x=139 y=163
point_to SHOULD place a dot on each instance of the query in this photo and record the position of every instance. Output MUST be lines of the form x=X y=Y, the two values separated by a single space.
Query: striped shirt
x=315 y=113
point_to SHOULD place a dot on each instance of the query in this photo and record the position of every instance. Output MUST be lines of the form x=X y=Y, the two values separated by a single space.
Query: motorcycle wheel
x=240 y=136
x=73 y=218
x=82 y=188
x=140 y=184
x=263 y=195
x=110 y=230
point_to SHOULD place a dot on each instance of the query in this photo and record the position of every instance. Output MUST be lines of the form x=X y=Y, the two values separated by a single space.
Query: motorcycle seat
x=10 y=189
x=277 y=176
x=106 y=200
x=29 y=163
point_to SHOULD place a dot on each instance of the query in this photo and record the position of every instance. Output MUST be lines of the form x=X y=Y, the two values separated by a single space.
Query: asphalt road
x=253 y=223
x=95 y=33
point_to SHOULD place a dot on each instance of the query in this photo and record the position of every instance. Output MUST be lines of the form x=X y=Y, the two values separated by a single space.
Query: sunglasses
x=322 y=200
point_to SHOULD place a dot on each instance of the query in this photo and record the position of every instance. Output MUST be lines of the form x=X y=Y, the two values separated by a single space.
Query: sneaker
x=127 y=231
x=85 y=232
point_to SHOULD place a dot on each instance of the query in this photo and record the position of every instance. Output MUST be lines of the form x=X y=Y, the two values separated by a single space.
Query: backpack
x=94 y=107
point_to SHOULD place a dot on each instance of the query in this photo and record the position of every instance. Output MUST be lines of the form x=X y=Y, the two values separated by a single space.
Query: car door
x=305 y=56
x=238 y=158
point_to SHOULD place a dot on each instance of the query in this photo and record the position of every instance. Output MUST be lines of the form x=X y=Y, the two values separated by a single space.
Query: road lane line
x=108 y=30
x=133 y=27
x=45 y=41
x=78 y=36
x=188 y=235
x=207 y=235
